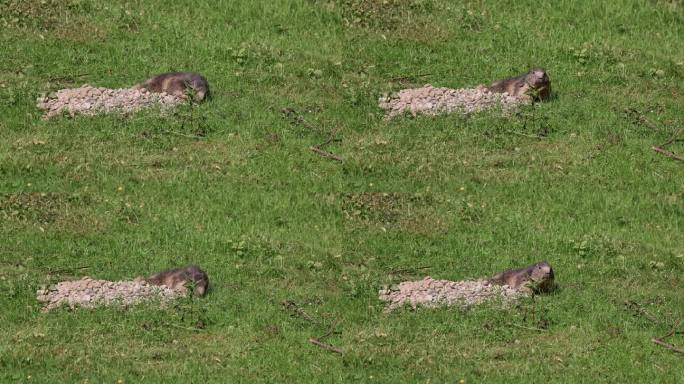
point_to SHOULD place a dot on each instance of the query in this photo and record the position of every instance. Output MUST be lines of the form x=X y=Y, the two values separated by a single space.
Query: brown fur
x=538 y=277
x=179 y=278
x=178 y=84
x=534 y=84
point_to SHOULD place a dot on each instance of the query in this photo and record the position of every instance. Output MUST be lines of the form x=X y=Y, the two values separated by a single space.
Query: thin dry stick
x=672 y=331
x=323 y=345
x=330 y=331
x=671 y=140
x=327 y=154
x=667 y=153
x=331 y=138
x=667 y=345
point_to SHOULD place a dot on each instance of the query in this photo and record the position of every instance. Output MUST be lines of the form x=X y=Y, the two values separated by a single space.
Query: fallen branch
x=671 y=140
x=324 y=153
x=667 y=345
x=667 y=153
x=672 y=331
x=326 y=346
x=330 y=331
x=331 y=138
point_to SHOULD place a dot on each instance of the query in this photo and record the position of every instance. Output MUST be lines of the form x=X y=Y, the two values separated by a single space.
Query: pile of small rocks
x=431 y=100
x=90 y=100
x=434 y=293
x=90 y=293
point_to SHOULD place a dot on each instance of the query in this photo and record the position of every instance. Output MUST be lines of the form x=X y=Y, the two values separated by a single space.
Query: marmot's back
x=178 y=278
x=535 y=83
x=537 y=276
x=177 y=83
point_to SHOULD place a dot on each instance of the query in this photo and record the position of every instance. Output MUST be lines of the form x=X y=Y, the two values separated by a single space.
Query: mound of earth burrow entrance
x=90 y=293
x=505 y=286
x=89 y=100
x=434 y=101
x=438 y=293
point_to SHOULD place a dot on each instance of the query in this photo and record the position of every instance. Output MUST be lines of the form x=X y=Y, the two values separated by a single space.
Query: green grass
x=114 y=197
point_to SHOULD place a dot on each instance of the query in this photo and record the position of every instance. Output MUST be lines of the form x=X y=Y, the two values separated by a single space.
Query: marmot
x=178 y=84
x=534 y=84
x=537 y=277
x=179 y=278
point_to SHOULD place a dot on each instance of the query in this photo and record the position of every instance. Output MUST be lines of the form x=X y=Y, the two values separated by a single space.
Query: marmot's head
x=537 y=77
x=542 y=275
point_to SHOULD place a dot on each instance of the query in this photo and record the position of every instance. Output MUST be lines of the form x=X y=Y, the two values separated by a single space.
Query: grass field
x=231 y=185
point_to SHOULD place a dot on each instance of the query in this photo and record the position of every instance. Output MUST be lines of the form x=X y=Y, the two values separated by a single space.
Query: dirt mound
x=90 y=100
x=434 y=293
x=90 y=293
x=433 y=101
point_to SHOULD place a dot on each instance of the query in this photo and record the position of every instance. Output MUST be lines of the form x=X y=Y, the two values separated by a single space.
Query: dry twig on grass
x=667 y=153
x=326 y=346
x=659 y=340
x=297 y=119
x=329 y=155
x=318 y=341
x=667 y=345
x=318 y=148
x=675 y=135
x=661 y=148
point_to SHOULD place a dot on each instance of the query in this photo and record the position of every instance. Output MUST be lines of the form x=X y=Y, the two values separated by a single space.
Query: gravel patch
x=90 y=100
x=435 y=293
x=89 y=293
x=433 y=101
